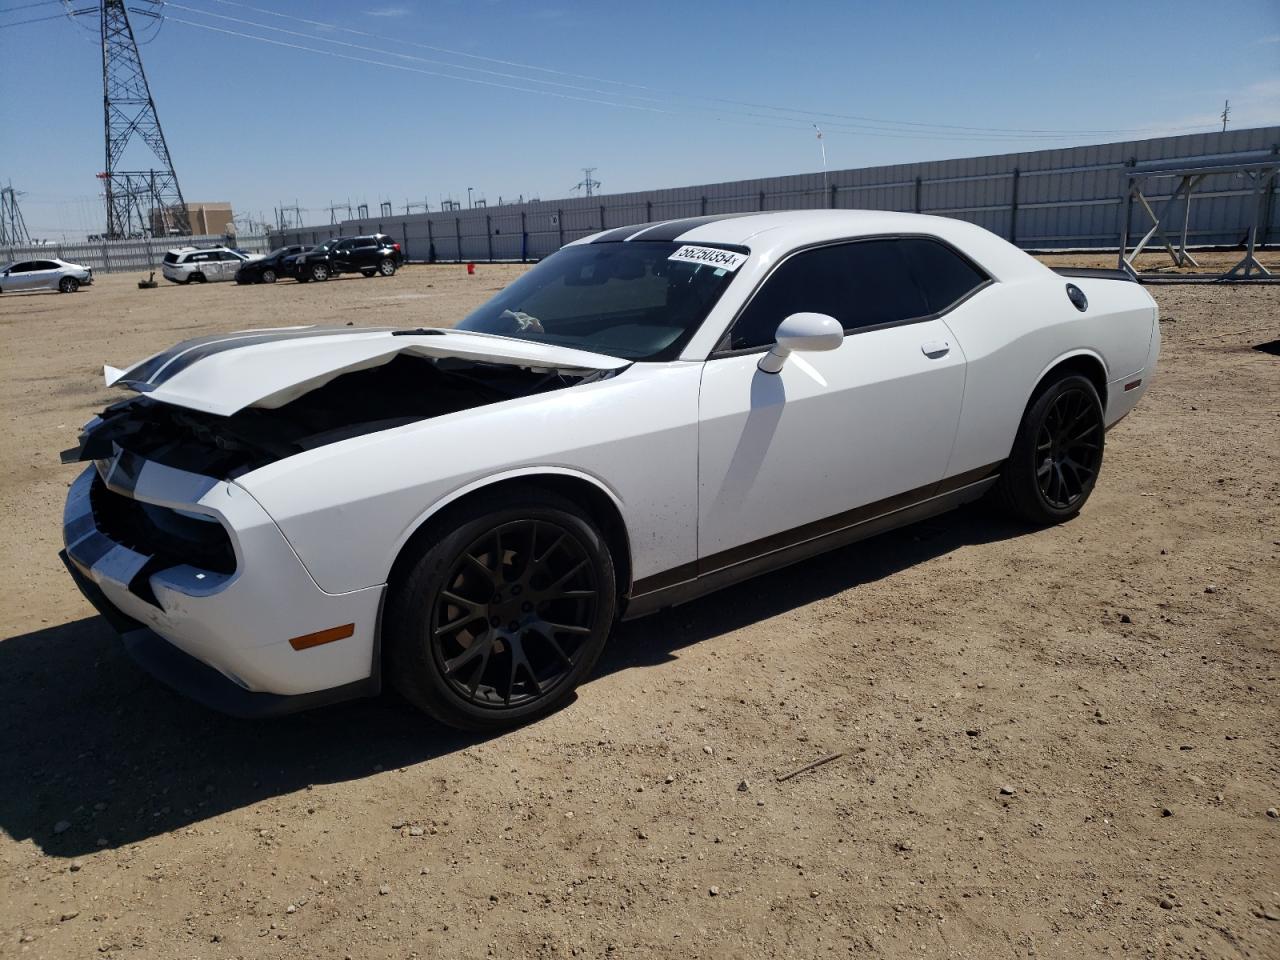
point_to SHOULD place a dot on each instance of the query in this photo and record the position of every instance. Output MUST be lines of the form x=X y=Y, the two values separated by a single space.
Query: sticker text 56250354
x=710 y=256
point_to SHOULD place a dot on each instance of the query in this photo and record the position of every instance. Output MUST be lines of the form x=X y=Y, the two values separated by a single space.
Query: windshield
x=625 y=299
x=321 y=248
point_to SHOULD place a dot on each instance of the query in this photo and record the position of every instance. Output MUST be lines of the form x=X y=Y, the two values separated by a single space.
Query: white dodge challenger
x=278 y=519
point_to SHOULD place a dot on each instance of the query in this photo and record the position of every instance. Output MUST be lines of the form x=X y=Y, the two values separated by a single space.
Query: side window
x=46 y=265
x=367 y=243
x=943 y=274
x=25 y=267
x=861 y=284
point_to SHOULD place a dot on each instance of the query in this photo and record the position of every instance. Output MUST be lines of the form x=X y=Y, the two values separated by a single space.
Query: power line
x=889 y=124
x=398 y=66
x=23 y=23
x=28 y=6
x=777 y=122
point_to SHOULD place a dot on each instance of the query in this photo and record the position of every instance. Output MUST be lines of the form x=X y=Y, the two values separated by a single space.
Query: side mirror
x=802 y=332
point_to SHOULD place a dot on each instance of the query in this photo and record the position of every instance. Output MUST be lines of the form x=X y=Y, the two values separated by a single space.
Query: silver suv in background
x=52 y=274
x=204 y=264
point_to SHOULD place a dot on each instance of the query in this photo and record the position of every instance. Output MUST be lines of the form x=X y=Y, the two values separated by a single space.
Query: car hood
x=269 y=368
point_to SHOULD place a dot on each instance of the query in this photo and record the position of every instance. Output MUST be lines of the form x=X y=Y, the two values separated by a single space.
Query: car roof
x=774 y=233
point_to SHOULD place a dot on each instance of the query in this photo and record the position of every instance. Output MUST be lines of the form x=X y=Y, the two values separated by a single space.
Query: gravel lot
x=1059 y=743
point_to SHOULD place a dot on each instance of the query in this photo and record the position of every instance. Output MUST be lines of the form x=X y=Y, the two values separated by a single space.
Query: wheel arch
x=1087 y=363
x=587 y=491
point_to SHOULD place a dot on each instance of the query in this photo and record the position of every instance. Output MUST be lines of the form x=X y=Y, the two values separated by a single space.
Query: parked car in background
x=291 y=517
x=376 y=254
x=204 y=264
x=270 y=268
x=51 y=274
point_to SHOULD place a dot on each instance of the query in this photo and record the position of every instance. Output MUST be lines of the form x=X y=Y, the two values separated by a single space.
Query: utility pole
x=588 y=185
x=129 y=113
x=823 y=146
x=1226 y=112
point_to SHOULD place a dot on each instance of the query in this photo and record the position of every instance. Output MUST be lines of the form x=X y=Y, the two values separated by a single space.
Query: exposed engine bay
x=406 y=389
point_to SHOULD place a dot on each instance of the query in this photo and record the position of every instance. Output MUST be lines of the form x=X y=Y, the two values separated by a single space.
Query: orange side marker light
x=322 y=636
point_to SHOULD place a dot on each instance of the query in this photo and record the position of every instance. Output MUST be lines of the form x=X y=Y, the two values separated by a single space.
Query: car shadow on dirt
x=94 y=753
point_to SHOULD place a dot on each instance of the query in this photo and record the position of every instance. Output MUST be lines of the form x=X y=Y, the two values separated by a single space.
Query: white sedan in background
x=283 y=518
x=46 y=274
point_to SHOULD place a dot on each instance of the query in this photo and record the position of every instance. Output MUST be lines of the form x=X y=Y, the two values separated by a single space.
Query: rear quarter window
x=171 y=257
x=943 y=274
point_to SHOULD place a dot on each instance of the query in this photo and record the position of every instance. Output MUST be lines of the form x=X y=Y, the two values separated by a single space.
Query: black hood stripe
x=166 y=365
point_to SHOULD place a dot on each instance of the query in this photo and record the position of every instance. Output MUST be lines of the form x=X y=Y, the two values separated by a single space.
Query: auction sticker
x=711 y=256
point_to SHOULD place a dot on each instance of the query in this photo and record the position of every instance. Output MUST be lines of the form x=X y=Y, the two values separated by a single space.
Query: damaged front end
x=200 y=580
x=405 y=389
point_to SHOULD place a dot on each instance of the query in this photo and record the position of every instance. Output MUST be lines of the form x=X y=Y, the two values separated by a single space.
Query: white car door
x=835 y=437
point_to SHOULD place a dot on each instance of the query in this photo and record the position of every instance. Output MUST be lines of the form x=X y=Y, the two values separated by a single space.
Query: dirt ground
x=1055 y=743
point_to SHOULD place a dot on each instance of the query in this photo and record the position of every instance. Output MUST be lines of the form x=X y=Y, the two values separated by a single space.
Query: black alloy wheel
x=68 y=285
x=518 y=605
x=504 y=612
x=1069 y=449
x=1057 y=453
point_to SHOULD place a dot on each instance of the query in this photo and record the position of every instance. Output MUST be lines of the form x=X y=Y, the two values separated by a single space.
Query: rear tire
x=501 y=612
x=387 y=267
x=68 y=285
x=1056 y=455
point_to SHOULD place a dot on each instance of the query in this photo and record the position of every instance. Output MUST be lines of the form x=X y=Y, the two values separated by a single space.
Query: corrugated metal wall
x=1047 y=199
x=118 y=256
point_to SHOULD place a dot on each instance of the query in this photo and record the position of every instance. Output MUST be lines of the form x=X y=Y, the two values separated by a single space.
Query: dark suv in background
x=371 y=255
x=270 y=268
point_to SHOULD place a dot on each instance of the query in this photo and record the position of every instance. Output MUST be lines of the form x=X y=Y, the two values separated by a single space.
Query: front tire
x=503 y=611
x=1056 y=455
x=68 y=285
x=319 y=272
x=268 y=276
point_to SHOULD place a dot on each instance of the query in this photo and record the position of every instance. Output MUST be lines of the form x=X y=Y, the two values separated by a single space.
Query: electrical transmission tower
x=333 y=209
x=289 y=218
x=13 y=231
x=588 y=185
x=139 y=202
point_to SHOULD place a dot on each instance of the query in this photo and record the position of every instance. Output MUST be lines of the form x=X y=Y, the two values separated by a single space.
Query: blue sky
x=258 y=123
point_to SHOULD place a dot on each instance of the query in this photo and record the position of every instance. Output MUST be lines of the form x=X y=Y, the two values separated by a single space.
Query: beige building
x=205 y=218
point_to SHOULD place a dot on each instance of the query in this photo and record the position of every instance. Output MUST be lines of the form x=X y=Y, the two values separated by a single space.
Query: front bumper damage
x=220 y=636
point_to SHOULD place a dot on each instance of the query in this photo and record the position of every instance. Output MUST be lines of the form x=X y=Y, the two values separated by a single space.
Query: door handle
x=936 y=349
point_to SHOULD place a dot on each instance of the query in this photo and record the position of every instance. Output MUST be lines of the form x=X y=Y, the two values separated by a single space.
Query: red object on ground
x=471 y=269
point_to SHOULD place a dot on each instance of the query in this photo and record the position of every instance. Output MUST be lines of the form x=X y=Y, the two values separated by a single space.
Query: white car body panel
x=268 y=368
x=702 y=456
x=647 y=463
x=815 y=440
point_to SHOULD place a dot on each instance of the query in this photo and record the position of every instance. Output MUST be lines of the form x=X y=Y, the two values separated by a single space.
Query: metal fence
x=115 y=256
x=1048 y=199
